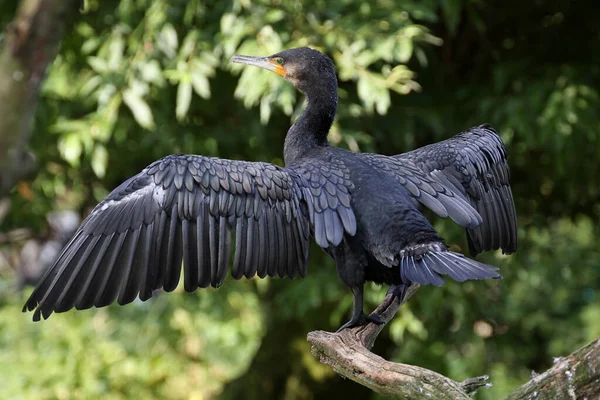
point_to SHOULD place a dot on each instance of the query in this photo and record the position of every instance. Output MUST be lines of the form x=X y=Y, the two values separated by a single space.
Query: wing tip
x=27 y=307
x=509 y=249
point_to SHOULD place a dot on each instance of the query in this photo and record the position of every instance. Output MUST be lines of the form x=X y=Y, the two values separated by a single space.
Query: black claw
x=349 y=324
x=374 y=318
x=362 y=319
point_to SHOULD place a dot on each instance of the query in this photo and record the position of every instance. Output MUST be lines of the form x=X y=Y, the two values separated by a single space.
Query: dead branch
x=576 y=376
x=348 y=353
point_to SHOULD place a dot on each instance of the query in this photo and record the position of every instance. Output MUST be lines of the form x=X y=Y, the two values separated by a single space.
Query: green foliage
x=180 y=347
x=140 y=79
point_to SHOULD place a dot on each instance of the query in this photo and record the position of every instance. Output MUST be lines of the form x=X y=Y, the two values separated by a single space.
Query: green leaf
x=99 y=160
x=274 y=15
x=115 y=53
x=140 y=109
x=69 y=125
x=70 y=148
x=91 y=45
x=373 y=92
x=167 y=41
x=252 y=86
x=227 y=22
x=98 y=64
x=404 y=49
x=188 y=44
x=151 y=72
x=265 y=110
x=91 y=85
x=184 y=97
x=383 y=101
x=201 y=85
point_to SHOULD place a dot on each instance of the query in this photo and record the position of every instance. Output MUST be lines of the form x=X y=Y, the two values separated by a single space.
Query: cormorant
x=362 y=208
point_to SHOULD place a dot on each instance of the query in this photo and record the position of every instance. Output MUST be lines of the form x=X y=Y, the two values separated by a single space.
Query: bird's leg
x=398 y=290
x=352 y=273
x=358 y=316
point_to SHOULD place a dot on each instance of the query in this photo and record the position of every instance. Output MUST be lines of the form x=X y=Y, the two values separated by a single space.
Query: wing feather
x=105 y=293
x=128 y=286
x=147 y=264
x=263 y=248
x=250 y=263
x=240 y=248
x=172 y=261
x=424 y=188
x=85 y=298
x=204 y=276
x=179 y=213
x=190 y=255
x=473 y=165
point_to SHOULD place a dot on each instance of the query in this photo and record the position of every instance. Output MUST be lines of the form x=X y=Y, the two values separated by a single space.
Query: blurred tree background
x=136 y=80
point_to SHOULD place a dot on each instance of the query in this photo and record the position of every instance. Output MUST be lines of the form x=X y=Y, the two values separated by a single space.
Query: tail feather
x=416 y=269
x=428 y=268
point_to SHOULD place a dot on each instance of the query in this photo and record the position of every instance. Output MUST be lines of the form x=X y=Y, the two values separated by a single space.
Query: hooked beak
x=262 y=62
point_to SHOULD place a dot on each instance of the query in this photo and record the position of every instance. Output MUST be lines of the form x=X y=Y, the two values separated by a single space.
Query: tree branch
x=30 y=44
x=348 y=353
x=576 y=376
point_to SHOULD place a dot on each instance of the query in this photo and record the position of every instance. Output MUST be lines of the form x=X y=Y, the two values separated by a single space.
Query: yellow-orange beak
x=262 y=62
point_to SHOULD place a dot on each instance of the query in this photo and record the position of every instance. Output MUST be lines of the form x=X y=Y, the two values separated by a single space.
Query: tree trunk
x=574 y=377
x=30 y=44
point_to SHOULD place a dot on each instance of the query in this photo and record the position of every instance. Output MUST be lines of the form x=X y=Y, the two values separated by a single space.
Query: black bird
x=362 y=208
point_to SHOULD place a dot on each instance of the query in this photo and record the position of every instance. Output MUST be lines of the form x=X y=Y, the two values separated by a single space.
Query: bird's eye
x=279 y=61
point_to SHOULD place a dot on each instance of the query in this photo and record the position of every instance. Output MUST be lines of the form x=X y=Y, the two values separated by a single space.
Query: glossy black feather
x=263 y=248
x=106 y=293
x=86 y=295
x=70 y=274
x=129 y=279
x=190 y=254
x=202 y=227
x=223 y=254
x=239 y=258
x=139 y=238
x=250 y=265
x=473 y=164
x=426 y=264
x=273 y=241
x=180 y=212
x=147 y=263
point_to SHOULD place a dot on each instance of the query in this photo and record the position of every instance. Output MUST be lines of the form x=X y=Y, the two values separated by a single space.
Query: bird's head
x=304 y=67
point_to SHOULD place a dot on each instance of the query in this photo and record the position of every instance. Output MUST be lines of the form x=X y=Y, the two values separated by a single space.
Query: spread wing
x=425 y=189
x=183 y=209
x=473 y=164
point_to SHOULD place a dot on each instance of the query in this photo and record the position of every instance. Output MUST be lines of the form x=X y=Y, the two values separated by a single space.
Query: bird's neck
x=311 y=128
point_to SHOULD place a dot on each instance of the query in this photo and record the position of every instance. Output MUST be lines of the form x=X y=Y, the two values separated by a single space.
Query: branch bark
x=348 y=353
x=576 y=376
x=30 y=44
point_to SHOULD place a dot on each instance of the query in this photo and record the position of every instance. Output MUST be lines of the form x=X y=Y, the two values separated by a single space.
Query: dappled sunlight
x=136 y=80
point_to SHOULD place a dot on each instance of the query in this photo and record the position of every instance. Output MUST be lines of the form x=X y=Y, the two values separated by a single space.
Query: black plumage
x=363 y=209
